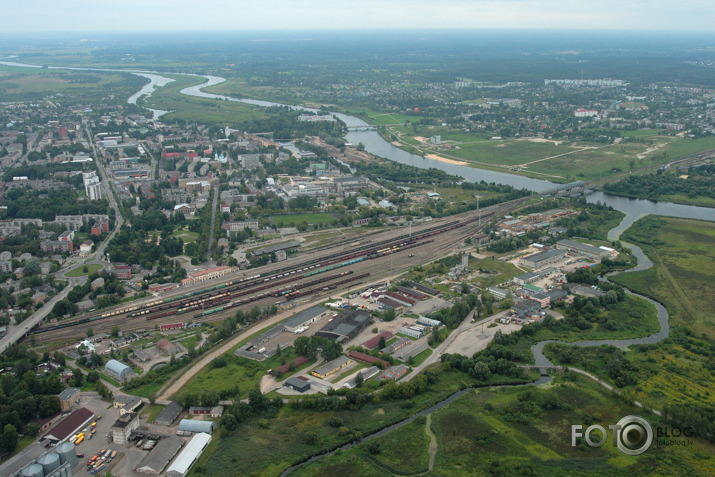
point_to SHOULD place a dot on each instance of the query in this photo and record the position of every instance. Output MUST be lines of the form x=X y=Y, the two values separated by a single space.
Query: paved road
x=18 y=332
x=214 y=206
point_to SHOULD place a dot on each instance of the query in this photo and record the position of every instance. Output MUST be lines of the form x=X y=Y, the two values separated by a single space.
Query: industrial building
x=160 y=456
x=186 y=459
x=213 y=411
x=298 y=384
x=582 y=249
x=393 y=373
x=525 y=278
x=414 y=331
x=424 y=321
x=68 y=398
x=373 y=342
x=410 y=350
x=122 y=429
x=542 y=259
x=365 y=373
x=366 y=358
x=526 y=308
x=396 y=345
x=498 y=293
x=67 y=428
x=304 y=317
x=346 y=326
x=127 y=404
x=194 y=426
x=331 y=367
x=424 y=288
x=169 y=414
x=38 y=462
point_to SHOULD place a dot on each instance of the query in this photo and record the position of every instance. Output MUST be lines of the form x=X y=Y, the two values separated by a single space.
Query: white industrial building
x=181 y=465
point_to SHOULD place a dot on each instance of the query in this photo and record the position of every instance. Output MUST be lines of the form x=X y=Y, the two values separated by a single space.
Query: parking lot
x=89 y=447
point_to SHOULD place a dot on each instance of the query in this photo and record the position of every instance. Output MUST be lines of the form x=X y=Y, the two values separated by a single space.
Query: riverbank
x=672 y=199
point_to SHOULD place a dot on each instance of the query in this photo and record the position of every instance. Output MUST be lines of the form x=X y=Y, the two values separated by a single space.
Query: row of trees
x=310 y=345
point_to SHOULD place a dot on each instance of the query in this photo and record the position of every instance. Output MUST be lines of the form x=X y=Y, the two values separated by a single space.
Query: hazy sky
x=123 y=15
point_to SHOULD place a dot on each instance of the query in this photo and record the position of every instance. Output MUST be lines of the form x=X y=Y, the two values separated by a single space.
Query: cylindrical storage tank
x=34 y=470
x=66 y=451
x=49 y=462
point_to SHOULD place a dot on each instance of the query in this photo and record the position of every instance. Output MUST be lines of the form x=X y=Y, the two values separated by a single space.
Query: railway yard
x=314 y=275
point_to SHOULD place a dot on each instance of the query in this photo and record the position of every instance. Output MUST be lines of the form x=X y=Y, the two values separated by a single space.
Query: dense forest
x=26 y=395
x=28 y=203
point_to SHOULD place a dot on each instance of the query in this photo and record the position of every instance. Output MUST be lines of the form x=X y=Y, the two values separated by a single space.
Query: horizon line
x=364 y=29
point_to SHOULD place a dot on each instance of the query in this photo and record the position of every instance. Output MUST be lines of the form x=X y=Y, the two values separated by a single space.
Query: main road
x=16 y=333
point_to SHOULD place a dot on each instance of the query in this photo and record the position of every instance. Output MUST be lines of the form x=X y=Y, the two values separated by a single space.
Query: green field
x=255 y=450
x=514 y=431
x=238 y=371
x=78 y=272
x=203 y=110
x=240 y=88
x=186 y=236
x=683 y=278
x=684 y=199
x=567 y=161
x=684 y=271
x=634 y=317
x=677 y=370
x=29 y=84
x=310 y=219
x=685 y=147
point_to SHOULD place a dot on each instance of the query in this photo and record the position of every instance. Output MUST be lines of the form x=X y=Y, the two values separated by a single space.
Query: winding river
x=374 y=143
x=633 y=209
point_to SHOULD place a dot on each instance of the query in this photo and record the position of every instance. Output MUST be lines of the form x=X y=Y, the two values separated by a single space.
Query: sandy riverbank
x=444 y=159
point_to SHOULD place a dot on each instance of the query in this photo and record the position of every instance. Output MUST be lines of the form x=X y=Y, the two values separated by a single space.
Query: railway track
x=364 y=259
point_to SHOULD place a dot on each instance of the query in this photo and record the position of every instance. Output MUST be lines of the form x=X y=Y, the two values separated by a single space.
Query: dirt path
x=176 y=385
x=432 y=443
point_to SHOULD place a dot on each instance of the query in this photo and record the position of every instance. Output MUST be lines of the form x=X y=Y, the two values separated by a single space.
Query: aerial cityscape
x=273 y=242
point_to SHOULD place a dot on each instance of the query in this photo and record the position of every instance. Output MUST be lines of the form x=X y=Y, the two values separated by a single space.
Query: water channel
x=376 y=144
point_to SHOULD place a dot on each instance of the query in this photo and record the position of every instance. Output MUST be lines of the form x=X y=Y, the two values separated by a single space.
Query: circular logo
x=634 y=435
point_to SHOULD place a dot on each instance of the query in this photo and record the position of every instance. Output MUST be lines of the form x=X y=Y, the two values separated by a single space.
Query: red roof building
x=74 y=422
x=300 y=360
x=171 y=326
x=367 y=358
x=122 y=272
x=375 y=340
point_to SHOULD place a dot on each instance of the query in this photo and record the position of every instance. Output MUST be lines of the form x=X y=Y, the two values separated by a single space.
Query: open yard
x=296 y=219
x=229 y=370
x=80 y=271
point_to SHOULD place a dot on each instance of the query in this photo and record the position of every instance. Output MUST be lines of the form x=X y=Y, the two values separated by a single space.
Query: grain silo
x=66 y=451
x=49 y=462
